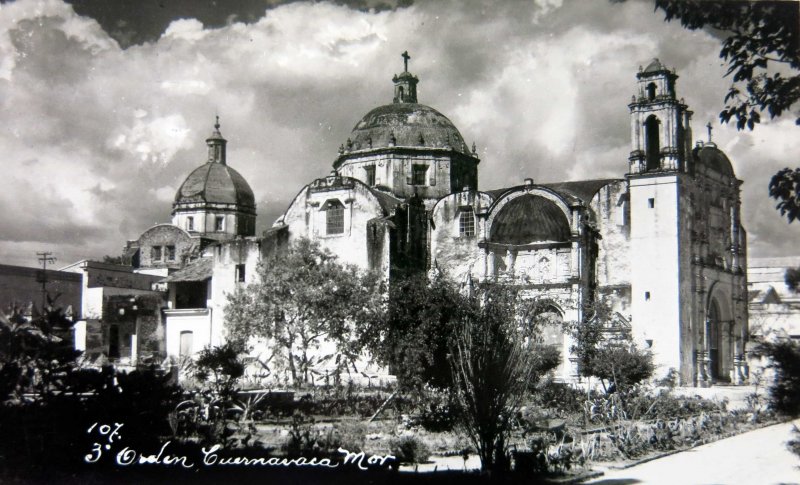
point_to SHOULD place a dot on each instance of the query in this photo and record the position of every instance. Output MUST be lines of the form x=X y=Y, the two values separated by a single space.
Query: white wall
x=197 y=321
x=655 y=267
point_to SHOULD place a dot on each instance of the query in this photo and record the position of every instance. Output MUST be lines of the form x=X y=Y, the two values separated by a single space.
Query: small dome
x=406 y=125
x=528 y=219
x=713 y=158
x=655 y=66
x=216 y=183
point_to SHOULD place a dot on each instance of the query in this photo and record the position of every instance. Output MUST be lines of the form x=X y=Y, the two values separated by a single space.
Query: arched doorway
x=551 y=332
x=714 y=335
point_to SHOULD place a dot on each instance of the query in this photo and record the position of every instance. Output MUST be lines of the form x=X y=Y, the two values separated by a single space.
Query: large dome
x=216 y=183
x=406 y=125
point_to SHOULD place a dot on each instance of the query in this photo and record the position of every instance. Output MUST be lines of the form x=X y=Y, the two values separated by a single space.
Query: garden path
x=755 y=457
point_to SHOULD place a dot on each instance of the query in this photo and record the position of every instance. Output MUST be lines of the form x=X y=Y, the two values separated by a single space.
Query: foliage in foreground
x=493 y=363
x=784 y=356
x=761 y=46
x=617 y=362
x=413 y=336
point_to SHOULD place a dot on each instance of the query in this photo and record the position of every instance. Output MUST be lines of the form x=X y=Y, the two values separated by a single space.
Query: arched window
x=652 y=148
x=466 y=223
x=186 y=349
x=651 y=91
x=334 y=217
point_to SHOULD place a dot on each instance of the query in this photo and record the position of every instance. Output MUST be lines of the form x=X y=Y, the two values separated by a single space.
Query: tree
x=303 y=298
x=413 y=336
x=494 y=359
x=621 y=364
x=614 y=360
x=792 y=278
x=34 y=356
x=121 y=260
x=784 y=356
x=761 y=46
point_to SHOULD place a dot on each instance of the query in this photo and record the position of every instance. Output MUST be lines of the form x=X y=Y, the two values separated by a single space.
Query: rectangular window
x=240 y=268
x=466 y=223
x=190 y=223
x=155 y=253
x=170 y=253
x=370 y=175
x=647 y=296
x=334 y=217
x=651 y=203
x=219 y=224
x=418 y=174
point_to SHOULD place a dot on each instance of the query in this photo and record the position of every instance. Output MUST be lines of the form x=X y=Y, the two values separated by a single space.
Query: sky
x=105 y=106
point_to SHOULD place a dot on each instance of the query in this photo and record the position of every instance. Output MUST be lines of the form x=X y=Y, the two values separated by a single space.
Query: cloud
x=112 y=128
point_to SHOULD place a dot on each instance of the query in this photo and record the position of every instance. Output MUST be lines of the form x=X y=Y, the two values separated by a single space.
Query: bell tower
x=660 y=133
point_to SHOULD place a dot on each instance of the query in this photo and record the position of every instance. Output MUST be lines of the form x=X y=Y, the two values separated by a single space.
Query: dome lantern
x=405 y=84
x=216 y=145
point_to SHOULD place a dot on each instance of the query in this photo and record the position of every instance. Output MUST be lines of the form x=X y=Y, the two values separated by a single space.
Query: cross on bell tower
x=709 y=131
x=405 y=83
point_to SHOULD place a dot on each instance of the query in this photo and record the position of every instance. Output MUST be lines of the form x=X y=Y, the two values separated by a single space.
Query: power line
x=44 y=258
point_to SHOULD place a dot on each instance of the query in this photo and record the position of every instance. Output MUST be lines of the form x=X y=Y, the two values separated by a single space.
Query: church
x=662 y=244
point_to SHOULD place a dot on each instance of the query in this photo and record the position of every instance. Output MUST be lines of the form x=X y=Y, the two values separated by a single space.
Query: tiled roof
x=406 y=125
x=199 y=270
x=216 y=183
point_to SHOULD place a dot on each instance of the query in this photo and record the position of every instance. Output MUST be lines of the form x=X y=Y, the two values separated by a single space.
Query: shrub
x=409 y=449
x=621 y=366
x=559 y=396
x=438 y=411
x=307 y=440
x=784 y=358
x=670 y=380
x=548 y=455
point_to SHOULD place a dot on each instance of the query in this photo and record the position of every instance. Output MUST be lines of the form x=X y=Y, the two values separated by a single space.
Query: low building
x=27 y=291
x=120 y=319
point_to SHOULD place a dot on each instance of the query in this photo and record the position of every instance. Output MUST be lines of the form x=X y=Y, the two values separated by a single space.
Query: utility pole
x=44 y=258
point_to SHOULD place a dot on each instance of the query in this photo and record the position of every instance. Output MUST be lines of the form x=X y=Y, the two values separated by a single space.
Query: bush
x=54 y=431
x=621 y=366
x=409 y=449
x=559 y=396
x=784 y=358
x=547 y=455
x=438 y=411
x=306 y=440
